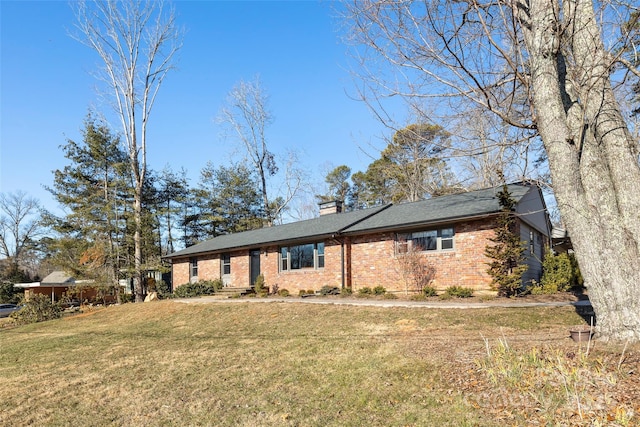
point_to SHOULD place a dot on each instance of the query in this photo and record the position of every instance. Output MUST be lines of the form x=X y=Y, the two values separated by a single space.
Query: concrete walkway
x=382 y=302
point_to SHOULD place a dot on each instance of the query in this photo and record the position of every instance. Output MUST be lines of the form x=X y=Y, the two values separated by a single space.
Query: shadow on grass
x=584 y=308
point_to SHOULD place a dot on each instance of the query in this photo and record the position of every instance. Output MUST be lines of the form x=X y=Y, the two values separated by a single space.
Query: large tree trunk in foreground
x=592 y=158
x=541 y=67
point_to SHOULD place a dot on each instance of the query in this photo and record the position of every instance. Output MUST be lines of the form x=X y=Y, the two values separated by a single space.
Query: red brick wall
x=296 y=280
x=208 y=269
x=293 y=281
x=179 y=272
x=373 y=263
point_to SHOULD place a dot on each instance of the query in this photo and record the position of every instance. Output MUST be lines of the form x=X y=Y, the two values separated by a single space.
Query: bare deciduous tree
x=413 y=267
x=247 y=114
x=20 y=226
x=542 y=67
x=137 y=43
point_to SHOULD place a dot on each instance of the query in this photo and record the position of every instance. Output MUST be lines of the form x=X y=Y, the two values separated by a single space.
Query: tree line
x=94 y=238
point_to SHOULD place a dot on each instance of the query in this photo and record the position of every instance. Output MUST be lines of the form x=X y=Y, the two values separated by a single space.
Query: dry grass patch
x=270 y=364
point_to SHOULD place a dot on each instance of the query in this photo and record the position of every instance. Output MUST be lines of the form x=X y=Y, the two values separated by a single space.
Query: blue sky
x=295 y=47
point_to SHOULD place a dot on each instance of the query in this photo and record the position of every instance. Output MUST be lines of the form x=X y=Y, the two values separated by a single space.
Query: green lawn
x=271 y=364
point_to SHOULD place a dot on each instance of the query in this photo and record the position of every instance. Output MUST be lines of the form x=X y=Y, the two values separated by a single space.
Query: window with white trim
x=225 y=264
x=193 y=268
x=426 y=241
x=307 y=256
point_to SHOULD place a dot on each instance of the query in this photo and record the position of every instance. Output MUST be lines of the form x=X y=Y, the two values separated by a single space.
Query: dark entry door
x=254 y=266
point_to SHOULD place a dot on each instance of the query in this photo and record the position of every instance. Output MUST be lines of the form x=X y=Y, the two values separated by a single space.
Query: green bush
x=429 y=291
x=162 y=288
x=458 y=292
x=329 y=290
x=379 y=290
x=560 y=273
x=539 y=289
x=346 y=292
x=38 y=308
x=205 y=287
x=283 y=293
x=365 y=290
x=259 y=286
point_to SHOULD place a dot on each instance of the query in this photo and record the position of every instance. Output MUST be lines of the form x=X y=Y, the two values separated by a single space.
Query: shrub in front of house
x=458 y=292
x=162 y=288
x=259 y=286
x=205 y=287
x=429 y=291
x=329 y=290
x=38 y=308
x=560 y=274
x=346 y=292
x=283 y=292
x=365 y=291
x=379 y=290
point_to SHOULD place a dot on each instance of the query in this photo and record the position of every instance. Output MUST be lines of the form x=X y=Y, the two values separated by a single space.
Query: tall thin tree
x=137 y=43
x=247 y=114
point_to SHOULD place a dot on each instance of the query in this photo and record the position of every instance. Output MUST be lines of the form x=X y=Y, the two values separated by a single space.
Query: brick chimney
x=331 y=207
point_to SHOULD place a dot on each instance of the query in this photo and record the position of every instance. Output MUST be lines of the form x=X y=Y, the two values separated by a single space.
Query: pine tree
x=507 y=252
x=94 y=190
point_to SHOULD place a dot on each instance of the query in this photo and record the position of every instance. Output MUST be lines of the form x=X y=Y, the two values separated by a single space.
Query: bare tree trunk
x=248 y=115
x=541 y=67
x=136 y=43
x=595 y=176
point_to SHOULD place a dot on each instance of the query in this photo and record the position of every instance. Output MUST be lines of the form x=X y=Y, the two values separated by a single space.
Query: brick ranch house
x=360 y=248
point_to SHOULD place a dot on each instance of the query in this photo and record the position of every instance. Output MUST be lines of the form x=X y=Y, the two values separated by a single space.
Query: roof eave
x=413 y=225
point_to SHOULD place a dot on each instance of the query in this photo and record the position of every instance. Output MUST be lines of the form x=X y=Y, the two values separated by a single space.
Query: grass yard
x=279 y=364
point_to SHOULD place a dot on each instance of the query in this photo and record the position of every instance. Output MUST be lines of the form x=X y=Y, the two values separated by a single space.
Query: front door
x=254 y=266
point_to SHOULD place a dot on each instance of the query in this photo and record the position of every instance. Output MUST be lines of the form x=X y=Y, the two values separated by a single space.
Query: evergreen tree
x=173 y=191
x=415 y=168
x=226 y=201
x=94 y=190
x=338 y=187
x=507 y=252
x=373 y=187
